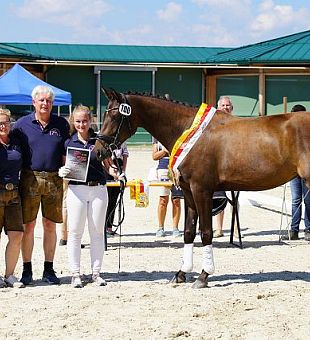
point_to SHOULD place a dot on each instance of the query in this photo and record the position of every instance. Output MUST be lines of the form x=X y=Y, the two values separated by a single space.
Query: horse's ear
x=119 y=97
x=111 y=94
x=107 y=92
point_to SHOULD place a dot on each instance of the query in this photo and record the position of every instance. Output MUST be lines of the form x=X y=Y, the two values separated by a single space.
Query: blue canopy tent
x=17 y=84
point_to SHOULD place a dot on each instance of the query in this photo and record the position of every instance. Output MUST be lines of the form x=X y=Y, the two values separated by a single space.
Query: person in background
x=86 y=201
x=113 y=192
x=224 y=104
x=10 y=204
x=161 y=155
x=43 y=135
x=299 y=192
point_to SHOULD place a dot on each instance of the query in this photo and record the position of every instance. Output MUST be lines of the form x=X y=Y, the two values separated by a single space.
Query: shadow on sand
x=216 y=280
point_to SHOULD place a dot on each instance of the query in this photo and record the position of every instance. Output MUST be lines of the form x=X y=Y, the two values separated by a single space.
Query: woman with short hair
x=11 y=219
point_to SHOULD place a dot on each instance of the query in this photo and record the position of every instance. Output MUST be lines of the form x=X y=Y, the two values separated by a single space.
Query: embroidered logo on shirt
x=55 y=132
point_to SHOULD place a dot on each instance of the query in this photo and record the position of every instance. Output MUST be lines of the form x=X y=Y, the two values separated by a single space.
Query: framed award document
x=78 y=161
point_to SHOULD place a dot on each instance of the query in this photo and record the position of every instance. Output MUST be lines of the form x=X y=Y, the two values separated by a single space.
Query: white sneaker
x=218 y=233
x=160 y=233
x=176 y=233
x=98 y=280
x=76 y=281
x=13 y=282
x=2 y=283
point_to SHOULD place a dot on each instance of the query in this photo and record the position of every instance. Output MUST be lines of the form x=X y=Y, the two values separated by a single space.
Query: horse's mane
x=150 y=95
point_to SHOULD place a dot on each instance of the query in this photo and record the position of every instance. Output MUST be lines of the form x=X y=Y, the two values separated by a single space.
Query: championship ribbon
x=189 y=137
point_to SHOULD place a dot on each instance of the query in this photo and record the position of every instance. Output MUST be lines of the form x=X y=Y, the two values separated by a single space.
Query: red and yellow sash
x=189 y=137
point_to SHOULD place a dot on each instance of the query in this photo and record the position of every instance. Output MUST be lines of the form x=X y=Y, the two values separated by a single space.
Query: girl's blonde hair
x=78 y=108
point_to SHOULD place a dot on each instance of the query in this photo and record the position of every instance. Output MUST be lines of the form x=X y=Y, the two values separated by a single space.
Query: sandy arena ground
x=259 y=292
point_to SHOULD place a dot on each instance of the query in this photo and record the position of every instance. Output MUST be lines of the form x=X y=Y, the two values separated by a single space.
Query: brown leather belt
x=90 y=183
x=8 y=186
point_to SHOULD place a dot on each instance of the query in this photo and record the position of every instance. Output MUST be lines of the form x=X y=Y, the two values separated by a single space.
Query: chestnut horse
x=233 y=153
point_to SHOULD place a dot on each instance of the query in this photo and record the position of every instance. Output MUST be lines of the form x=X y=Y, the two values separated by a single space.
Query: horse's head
x=116 y=126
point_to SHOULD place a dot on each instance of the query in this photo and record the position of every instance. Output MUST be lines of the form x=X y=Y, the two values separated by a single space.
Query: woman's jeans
x=299 y=192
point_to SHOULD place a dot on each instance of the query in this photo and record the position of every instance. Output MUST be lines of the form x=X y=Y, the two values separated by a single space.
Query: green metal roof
x=13 y=51
x=294 y=48
x=119 y=53
x=291 y=49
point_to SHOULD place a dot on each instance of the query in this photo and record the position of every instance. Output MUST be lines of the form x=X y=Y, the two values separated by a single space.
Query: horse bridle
x=113 y=141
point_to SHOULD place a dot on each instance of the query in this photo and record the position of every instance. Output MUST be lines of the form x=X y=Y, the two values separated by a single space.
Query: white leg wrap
x=207 y=259
x=187 y=265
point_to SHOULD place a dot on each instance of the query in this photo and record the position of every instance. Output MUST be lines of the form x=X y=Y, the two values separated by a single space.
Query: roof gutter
x=150 y=65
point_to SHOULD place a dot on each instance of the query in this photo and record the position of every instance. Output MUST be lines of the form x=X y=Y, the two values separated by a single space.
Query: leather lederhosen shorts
x=45 y=188
x=10 y=211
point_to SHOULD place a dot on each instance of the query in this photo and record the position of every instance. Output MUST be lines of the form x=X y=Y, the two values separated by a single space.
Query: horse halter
x=113 y=141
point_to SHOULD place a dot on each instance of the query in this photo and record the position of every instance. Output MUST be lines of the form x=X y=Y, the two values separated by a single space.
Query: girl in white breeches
x=87 y=198
x=86 y=203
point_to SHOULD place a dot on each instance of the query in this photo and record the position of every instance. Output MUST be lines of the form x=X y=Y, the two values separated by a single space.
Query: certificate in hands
x=78 y=161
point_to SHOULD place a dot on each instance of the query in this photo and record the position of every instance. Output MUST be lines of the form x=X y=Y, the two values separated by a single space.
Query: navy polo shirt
x=11 y=162
x=95 y=170
x=42 y=147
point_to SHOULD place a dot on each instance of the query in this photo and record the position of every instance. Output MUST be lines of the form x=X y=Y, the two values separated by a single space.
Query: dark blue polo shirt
x=11 y=162
x=95 y=170
x=42 y=147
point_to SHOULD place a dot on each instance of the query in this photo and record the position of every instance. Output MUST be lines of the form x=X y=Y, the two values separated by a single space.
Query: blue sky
x=226 y=23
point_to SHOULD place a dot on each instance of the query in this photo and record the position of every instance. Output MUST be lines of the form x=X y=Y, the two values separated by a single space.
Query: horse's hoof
x=198 y=284
x=179 y=277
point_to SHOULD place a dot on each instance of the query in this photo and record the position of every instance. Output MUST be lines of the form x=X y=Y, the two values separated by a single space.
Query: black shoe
x=307 y=235
x=26 y=278
x=62 y=242
x=293 y=235
x=50 y=277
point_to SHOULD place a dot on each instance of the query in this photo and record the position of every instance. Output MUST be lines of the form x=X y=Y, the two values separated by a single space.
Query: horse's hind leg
x=189 y=236
x=204 y=206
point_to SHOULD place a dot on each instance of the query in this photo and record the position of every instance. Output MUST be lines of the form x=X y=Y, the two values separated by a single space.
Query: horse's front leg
x=204 y=206
x=189 y=237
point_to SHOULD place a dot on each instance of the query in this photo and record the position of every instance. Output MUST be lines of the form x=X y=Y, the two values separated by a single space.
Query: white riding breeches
x=86 y=203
